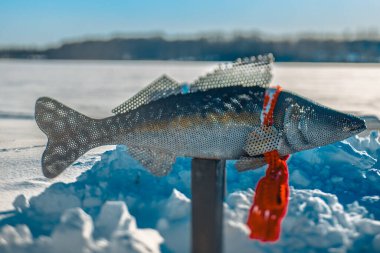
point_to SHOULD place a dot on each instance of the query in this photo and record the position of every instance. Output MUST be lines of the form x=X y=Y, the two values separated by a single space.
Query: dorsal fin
x=254 y=71
x=247 y=72
x=161 y=87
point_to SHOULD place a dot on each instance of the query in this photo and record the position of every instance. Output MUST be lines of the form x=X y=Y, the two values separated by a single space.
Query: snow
x=114 y=216
x=118 y=206
x=91 y=87
x=106 y=202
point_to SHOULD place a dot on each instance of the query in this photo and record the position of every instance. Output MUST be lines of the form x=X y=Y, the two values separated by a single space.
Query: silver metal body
x=216 y=117
x=221 y=123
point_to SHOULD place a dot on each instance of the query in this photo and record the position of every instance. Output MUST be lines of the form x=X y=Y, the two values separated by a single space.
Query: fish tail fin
x=70 y=135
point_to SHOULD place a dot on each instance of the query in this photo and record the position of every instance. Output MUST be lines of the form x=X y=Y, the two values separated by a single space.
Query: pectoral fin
x=249 y=163
x=158 y=162
x=262 y=140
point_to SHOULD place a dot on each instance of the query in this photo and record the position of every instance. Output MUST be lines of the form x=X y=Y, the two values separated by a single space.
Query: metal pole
x=208 y=187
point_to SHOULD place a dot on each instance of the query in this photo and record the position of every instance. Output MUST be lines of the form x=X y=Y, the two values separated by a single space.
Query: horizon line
x=371 y=34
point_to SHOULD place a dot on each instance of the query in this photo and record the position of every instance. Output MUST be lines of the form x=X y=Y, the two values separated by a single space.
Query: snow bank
x=118 y=206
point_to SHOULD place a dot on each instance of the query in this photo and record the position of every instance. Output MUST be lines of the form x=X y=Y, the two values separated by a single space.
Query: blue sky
x=42 y=22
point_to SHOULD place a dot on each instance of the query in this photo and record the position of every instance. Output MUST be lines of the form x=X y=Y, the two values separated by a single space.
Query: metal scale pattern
x=163 y=86
x=247 y=72
x=218 y=118
x=61 y=125
x=304 y=124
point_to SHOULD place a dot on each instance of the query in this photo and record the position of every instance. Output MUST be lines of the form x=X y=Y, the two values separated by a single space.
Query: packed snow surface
x=118 y=206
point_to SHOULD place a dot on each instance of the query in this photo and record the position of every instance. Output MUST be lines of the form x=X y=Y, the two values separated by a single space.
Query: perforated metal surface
x=304 y=124
x=249 y=163
x=157 y=161
x=217 y=119
x=200 y=124
x=70 y=135
x=247 y=72
x=160 y=88
x=210 y=124
x=261 y=140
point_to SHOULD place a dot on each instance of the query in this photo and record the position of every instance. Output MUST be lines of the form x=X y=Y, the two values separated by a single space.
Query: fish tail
x=70 y=135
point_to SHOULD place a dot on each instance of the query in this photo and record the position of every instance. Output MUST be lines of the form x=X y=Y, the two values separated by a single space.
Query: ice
x=114 y=216
x=118 y=206
x=376 y=243
x=178 y=206
x=335 y=194
x=20 y=203
x=299 y=178
x=74 y=232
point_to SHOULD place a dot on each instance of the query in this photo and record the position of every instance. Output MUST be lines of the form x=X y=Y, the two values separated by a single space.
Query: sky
x=44 y=22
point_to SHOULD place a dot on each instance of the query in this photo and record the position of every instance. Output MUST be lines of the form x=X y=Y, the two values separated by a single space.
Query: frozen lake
x=94 y=88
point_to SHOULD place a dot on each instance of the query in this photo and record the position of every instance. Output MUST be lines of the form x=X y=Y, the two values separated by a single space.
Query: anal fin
x=159 y=162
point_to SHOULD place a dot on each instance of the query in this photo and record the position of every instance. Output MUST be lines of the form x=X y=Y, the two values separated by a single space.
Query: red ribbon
x=272 y=192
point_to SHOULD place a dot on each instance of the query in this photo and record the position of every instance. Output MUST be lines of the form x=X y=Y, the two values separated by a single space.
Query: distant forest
x=206 y=49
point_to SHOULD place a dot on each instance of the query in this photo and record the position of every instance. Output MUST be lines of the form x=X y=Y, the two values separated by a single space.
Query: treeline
x=204 y=49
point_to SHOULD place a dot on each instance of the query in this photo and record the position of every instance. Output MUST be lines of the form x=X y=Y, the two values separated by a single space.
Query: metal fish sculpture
x=218 y=116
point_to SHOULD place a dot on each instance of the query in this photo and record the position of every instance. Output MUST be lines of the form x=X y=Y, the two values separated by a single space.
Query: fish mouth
x=360 y=127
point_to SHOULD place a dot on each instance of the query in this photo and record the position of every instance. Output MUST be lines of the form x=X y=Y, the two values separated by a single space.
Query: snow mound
x=117 y=206
x=117 y=232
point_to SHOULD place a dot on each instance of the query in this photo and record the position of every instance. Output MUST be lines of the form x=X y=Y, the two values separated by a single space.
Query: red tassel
x=270 y=201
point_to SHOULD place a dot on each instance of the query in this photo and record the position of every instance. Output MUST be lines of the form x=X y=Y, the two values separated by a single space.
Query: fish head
x=305 y=124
